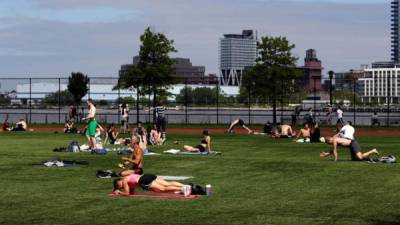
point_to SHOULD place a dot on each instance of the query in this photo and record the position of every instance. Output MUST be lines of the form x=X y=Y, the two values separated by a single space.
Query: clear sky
x=56 y=37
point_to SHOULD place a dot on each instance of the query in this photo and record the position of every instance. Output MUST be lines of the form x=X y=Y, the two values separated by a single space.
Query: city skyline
x=54 y=38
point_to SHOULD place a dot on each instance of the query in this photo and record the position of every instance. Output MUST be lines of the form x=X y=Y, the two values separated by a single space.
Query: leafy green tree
x=153 y=73
x=4 y=100
x=200 y=96
x=78 y=86
x=66 y=98
x=273 y=75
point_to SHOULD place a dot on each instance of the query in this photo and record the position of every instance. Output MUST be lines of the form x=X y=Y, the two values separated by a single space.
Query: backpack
x=198 y=190
x=106 y=174
x=99 y=151
x=73 y=147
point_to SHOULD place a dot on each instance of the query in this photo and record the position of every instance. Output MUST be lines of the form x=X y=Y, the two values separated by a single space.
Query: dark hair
x=115 y=184
x=350 y=123
x=139 y=122
x=205 y=132
x=90 y=100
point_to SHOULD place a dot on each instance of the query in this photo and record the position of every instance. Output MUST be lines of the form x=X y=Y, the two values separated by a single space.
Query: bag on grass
x=73 y=147
x=388 y=159
x=99 y=151
x=106 y=174
x=198 y=190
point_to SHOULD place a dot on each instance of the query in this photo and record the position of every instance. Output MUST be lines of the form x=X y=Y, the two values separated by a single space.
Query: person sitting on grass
x=353 y=145
x=205 y=144
x=304 y=134
x=126 y=185
x=112 y=134
x=239 y=122
x=69 y=127
x=6 y=126
x=315 y=133
x=155 y=136
x=20 y=126
x=283 y=131
x=136 y=159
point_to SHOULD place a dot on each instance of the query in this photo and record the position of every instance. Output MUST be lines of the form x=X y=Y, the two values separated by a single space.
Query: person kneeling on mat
x=126 y=185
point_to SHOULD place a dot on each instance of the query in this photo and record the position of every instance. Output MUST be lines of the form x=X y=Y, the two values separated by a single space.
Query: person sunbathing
x=204 y=145
x=284 y=131
x=304 y=134
x=125 y=186
x=353 y=145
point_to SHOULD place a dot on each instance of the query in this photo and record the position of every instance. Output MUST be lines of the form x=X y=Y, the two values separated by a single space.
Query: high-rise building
x=236 y=52
x=395 y=31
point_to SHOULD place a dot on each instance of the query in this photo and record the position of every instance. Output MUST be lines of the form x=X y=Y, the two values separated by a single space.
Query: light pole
x=331 y=73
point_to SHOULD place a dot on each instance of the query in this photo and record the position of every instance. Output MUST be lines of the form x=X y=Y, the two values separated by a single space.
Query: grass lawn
x=255 y=181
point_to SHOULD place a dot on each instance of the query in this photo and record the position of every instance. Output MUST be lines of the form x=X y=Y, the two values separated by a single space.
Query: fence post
x=59 y=101
x=249 y=109
x=217 y=103
x=89 y=88
x=354 y=100
x=186 y=102
x=118 y=104
x=30 y=100
x=388 y=101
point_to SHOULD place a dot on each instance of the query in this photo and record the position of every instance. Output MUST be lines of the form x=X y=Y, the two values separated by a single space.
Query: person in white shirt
x=339 y=113
x=346 y=132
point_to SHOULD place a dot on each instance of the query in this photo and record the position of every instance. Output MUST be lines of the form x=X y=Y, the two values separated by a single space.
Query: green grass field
x=256 y=181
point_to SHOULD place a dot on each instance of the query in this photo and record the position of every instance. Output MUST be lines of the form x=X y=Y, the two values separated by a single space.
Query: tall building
x=312 y=72
x=395 y=31
x=380 y=85
x=184 y=71
x=236 y=52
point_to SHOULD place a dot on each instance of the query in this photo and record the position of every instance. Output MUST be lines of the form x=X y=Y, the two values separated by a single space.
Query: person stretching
x=239 y=122
x=125 y=186
x=354 y=147
x=204 y=145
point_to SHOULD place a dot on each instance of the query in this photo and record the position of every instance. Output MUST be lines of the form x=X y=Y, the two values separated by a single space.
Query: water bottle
x=208 y=189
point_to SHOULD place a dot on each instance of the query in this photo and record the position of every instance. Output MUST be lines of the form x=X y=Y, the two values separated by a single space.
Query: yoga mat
x=176 y=178
x=160 y=195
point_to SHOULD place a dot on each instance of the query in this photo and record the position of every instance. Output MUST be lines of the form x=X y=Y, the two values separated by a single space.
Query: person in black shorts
x=353 y=145
x=239 y=122
x=126 y=185
x=205 y=144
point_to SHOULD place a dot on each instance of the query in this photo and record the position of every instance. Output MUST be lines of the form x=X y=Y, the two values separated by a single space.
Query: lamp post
x=331 y=73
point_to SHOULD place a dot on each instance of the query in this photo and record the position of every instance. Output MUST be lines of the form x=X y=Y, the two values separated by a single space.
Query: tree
x=153 y=73
x=273 y=75
x=199 y=96
x=66 y=98
x=78 y=86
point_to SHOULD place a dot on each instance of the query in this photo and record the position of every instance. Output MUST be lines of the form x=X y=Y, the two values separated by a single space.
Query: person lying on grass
x=353 y=145
x=204 y=145
x=136 y=159
x=126 y=185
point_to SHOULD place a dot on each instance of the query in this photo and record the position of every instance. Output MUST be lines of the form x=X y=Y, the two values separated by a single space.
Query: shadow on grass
x=388 y=220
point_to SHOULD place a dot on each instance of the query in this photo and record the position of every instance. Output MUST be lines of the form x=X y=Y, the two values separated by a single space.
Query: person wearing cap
x=205 y=144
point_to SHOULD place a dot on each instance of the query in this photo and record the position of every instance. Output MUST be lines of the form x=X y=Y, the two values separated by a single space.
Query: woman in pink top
x=126 y=185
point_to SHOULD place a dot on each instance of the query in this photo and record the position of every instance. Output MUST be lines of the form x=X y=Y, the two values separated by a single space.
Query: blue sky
x=54 y=38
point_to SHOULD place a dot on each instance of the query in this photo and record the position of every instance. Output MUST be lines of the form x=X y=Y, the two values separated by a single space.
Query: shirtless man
x=286 y=131
x=92 y=124
x=304 y=133
x=354 y=147
x=136 y=158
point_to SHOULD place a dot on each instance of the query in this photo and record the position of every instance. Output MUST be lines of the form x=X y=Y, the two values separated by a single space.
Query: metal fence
x=43 y=100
